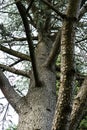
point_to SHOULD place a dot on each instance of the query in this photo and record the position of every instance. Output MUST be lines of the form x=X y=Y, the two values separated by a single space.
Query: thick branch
x=10 y=94
x=15 y=53
x=83 y=10
x=22 y=12
x=15 y=71
x=54 y=52
x=79 y=105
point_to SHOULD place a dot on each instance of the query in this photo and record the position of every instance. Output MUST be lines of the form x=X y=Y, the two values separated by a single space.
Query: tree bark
x=37 y=113
x=63 y=108
x=37 y=109
x=79 y=106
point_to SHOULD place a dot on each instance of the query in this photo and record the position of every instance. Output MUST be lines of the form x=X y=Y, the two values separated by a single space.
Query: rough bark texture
x=40 y=101
x=63 y=108
x=79 y=106
x=37 y=109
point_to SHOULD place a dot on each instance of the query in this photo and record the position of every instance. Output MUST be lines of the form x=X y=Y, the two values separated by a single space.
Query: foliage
x=83 y=124
x=13 y=127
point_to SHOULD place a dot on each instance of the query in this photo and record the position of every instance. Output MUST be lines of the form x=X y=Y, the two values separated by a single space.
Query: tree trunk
x=65 y=95
x=39 y=107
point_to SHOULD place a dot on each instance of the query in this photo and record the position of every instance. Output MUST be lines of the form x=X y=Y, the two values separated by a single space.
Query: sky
x=11 y=115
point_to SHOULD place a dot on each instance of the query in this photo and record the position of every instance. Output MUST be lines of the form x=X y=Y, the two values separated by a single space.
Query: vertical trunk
x=79 y=106
x=39 y=107
x=63 y=108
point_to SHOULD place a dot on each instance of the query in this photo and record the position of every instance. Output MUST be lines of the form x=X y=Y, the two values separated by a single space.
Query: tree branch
x=16 y=62
x=32 y=22
x=54 y=9
x=9 y=92
x=54 y=52
x=15 y=53
x=13 y=39
x=79 y=105
x=30 y=5
x=83 y=10
x=15 y=71
x=23 y=15
x=16 y=39
x=83 y=39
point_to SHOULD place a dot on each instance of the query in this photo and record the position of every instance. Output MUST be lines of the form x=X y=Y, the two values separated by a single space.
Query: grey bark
x=38 y=111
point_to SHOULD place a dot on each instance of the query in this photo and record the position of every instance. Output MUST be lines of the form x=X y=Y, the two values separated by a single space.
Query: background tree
x=38 y=33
